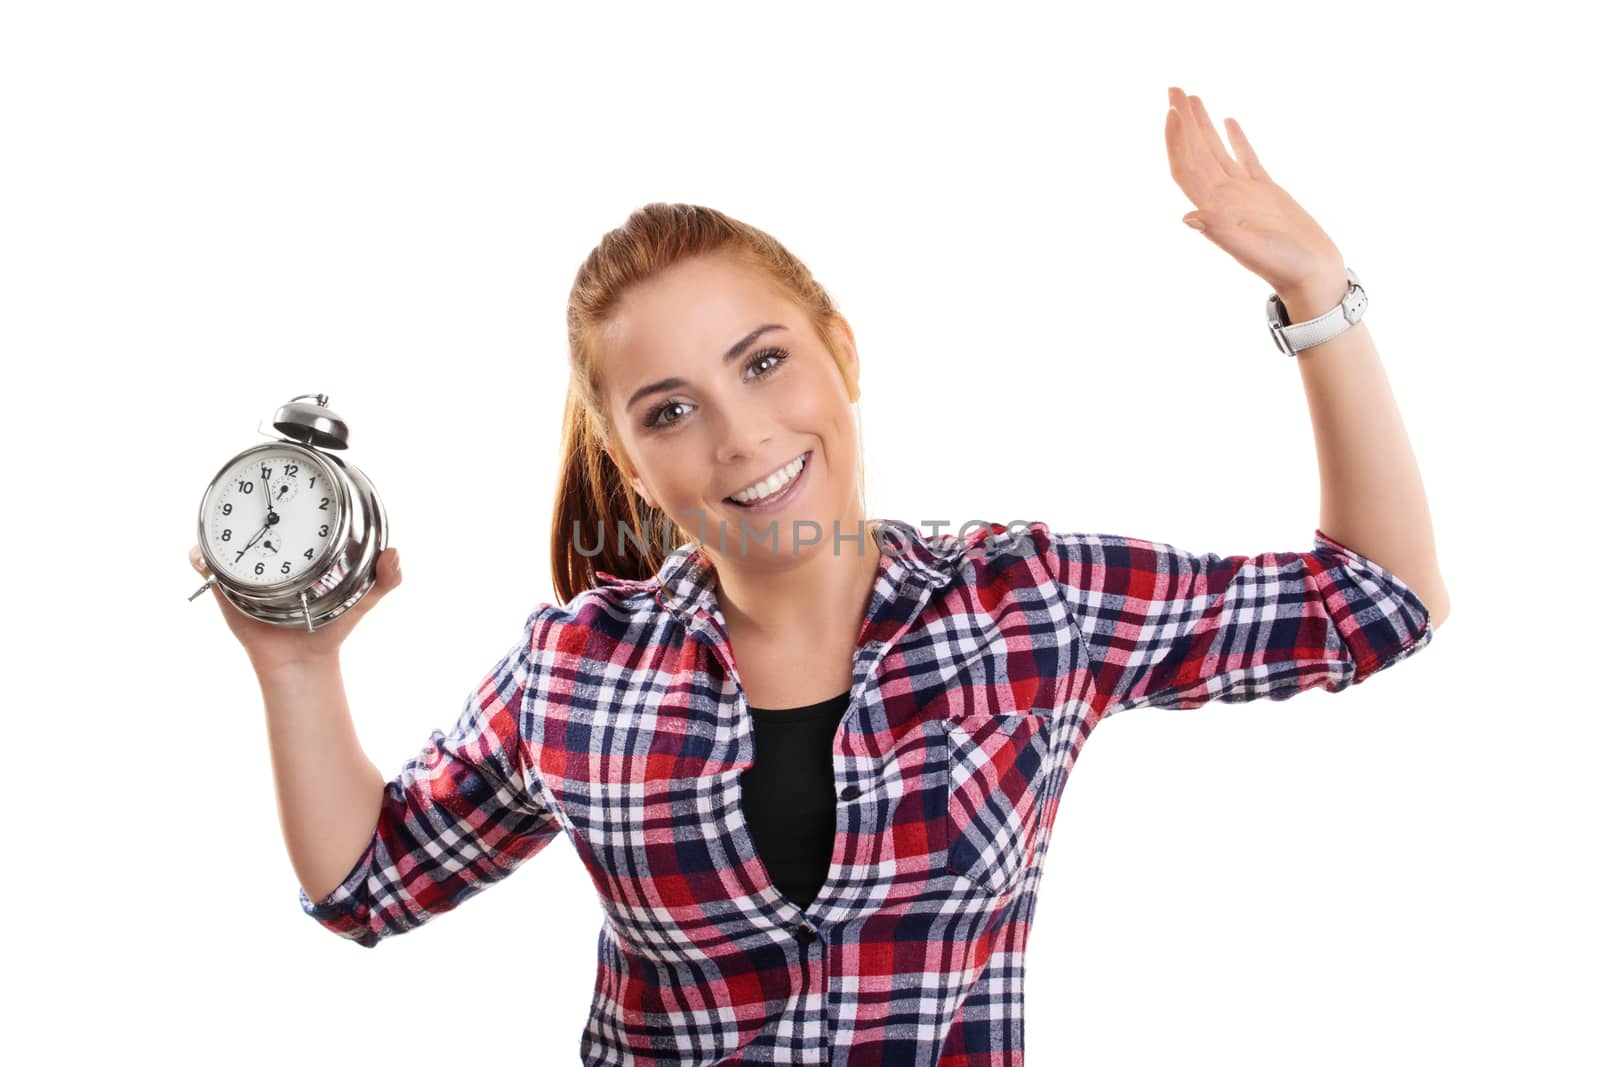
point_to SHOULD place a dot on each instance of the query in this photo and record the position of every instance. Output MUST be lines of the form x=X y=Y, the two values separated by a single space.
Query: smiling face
x=714 y=381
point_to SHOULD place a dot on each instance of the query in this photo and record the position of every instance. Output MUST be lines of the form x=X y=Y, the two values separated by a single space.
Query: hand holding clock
x=272 y=647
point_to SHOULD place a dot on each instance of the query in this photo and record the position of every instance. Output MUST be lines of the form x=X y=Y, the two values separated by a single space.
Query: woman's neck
x=829 y=585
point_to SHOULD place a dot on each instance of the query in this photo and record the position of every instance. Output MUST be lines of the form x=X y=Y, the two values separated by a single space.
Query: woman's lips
x=789 y=492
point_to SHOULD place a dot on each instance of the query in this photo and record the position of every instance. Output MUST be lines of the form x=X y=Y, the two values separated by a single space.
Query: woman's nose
x=742 y=443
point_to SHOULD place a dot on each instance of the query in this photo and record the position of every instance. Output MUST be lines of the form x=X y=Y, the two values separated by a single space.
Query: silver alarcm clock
x=291 y=532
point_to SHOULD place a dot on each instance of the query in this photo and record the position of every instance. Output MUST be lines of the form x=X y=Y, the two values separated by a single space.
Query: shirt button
x=849 y=792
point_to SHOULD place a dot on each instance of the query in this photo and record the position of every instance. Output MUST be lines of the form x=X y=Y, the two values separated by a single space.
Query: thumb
x=1194 y=219
x=388 y=575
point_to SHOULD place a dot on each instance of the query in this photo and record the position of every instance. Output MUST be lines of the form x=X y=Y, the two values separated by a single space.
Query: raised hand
x=1240 y=208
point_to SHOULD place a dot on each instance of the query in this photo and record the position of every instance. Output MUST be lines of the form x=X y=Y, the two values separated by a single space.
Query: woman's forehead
x=689 y=341
x=694 y=311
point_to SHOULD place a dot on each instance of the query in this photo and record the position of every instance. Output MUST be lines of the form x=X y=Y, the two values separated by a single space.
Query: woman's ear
x=846 y=339
x=632 y=479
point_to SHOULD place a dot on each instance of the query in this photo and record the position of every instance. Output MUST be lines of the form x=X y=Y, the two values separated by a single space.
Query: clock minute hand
x=247 y=545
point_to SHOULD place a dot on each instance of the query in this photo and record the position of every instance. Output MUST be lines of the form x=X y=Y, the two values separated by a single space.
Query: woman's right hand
x=271 y=646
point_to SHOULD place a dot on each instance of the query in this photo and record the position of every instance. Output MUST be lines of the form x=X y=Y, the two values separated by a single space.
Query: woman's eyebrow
x=729 y=356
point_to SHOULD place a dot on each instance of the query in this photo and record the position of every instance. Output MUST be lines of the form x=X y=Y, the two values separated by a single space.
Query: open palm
x=1239 y=206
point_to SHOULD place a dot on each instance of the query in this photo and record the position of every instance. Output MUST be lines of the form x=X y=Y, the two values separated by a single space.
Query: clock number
x=227 y=509
x=313 y=482
x=324 y=505
x=247 y=487
x=260 y=567
x=308 y=553
x=266 y=472
x=323 y=530
x=291 y=469
x=227 y=535
x=285 y=567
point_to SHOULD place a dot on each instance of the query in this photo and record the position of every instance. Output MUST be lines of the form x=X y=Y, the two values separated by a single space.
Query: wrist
x=1317 y=296
x=269 y=670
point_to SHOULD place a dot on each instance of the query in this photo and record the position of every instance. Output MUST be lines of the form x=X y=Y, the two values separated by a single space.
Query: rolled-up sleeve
x=461 y=815
x=1168 y=628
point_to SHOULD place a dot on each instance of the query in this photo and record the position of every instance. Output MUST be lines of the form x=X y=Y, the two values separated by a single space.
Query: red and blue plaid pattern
x=980 y=668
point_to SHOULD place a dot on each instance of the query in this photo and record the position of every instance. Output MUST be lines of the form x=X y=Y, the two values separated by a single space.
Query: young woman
x=812 y=760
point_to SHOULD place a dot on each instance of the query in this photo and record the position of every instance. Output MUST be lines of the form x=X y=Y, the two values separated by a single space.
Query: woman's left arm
x=1372 y=494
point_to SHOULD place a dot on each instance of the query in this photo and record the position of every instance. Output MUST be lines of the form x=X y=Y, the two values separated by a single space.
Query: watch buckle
x=1354 y=303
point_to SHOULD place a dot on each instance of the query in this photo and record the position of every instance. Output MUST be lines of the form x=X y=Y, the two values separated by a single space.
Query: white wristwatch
x=1292 y=338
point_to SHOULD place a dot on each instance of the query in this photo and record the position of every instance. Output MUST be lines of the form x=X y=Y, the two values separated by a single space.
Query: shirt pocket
x=998 y=770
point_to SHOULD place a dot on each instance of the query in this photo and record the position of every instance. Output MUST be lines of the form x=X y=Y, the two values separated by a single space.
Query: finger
x=197 y=560
x=389 y=568
x=1193 y=167
x=1181 y=161
x=1242 y=149
x=385 y=576
x=1213 y=144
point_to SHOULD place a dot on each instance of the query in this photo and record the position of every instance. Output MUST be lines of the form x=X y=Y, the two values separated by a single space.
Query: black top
x=787 y=794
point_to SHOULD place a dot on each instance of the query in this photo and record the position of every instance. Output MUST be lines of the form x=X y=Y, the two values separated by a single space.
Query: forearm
x=329 y=792
x=1372 y=494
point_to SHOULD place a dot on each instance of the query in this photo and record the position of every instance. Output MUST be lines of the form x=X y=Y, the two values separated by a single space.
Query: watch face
x=270 y=516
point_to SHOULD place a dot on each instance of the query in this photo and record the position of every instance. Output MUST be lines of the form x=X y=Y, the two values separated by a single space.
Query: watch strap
x=1292 y=338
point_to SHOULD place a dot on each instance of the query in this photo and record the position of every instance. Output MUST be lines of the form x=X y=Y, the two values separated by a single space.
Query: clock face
x=270 y=516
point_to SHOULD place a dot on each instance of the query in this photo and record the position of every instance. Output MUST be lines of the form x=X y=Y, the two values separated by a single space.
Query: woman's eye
x=777 y=355
x=653 y=418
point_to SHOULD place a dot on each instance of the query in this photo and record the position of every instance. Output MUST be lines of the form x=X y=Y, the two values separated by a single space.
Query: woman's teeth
x=771 y=486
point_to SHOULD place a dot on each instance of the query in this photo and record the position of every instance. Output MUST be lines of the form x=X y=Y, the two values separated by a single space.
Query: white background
x=206 y=209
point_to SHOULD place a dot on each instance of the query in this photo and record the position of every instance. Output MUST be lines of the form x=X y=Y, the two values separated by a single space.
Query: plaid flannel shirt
x=980 y=668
